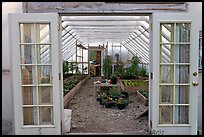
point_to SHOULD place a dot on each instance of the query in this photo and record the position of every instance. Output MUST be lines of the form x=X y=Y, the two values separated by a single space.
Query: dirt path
x=88 y=116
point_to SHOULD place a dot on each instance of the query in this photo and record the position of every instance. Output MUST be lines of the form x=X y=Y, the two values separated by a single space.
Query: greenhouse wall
x=7 y=104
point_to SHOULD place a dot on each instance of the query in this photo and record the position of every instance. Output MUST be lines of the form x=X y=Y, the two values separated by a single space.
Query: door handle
x=195 y=83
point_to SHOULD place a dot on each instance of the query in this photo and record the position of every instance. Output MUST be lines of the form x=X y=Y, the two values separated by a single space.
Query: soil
x=89 y=116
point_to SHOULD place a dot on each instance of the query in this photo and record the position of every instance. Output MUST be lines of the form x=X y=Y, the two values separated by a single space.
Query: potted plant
x=122 y=103
x=113 y=93
x=101 y=97
x=108 y=102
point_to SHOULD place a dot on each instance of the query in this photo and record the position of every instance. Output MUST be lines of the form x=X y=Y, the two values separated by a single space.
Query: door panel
x=34 y=53
x=173 y=107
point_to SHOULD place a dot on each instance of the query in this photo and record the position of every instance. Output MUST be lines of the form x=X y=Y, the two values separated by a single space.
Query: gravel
x=88 y=116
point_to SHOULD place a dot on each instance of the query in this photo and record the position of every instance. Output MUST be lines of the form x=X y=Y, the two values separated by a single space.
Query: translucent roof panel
x=131 y=32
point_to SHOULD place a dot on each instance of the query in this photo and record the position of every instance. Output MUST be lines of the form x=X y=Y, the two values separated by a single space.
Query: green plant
x=65 y=68
x=134 y=68
x=107 y=67
x=122 y=101
x=68 y=85
x=143 y=72
x=135 y=83
x=113 y=78
x=108 y=102
x=145 y=94
x=72 y=66
x=113 y=92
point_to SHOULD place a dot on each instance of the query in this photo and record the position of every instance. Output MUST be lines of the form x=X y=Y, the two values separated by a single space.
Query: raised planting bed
x=68 y=95
x=143 y=96
x=134 y=85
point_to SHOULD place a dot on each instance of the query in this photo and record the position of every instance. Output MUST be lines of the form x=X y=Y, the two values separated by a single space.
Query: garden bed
x=133 y=85
x=143 y=96
x=76 y=87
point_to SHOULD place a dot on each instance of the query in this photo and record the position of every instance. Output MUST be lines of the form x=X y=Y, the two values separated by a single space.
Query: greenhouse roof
x=132 y=32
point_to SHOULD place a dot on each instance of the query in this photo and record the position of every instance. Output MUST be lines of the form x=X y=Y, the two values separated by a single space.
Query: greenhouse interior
x=94 y=38
x=102 y=69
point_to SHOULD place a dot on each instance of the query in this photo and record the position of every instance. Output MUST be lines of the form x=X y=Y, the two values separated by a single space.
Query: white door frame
x=14 y=31
x=154 y=126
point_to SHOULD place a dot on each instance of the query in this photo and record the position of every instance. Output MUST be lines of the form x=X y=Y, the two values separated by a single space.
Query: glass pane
x=182 y=95
x=28 y=75
x=182 y=53
x=29 y=96
x=46 y=115
x=167 y=52
x=30 y=116
x=182 y=74
x=27 y=54
x=181 y=115
x=43 y=33
x=45 y=95
x=44 y=54
x=166 y=94
x=27 y=33
x=44 y=75
x=183 y=32
x=166 y=116
x=167 y=33
x=167 y=74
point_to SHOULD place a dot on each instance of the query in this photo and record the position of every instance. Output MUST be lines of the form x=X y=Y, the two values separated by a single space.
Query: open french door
x=173 y=73
x=35 y=70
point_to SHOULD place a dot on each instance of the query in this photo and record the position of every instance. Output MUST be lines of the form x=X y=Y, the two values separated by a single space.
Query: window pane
x=44 y=54
x=167 y=53
x=45 y=95
x=167 y=33
x=182 y=32
x=166 y=93
x=29 y=96
x=167 y=74
x=28 y=75
x=182 y=95
x=182 y=74
x=44 y=75
x=182 y=53
x=182 y=115
x=27 y=33
x=166 y=116
x=30 y=116
x=27 y=54
x=46 y=115
x=43 y=33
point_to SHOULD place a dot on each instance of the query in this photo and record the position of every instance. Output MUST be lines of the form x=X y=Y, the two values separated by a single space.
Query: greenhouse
x=102 y=68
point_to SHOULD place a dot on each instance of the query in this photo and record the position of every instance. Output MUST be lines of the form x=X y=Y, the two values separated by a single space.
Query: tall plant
x=107 y=67
x=133 y=70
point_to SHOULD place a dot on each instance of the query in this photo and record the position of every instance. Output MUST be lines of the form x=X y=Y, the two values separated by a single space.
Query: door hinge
x=58 y=26
x=59 y=76
x=151 y=75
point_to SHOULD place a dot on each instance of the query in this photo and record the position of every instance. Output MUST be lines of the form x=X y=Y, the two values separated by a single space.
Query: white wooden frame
x=154 y=125
x=14 y=20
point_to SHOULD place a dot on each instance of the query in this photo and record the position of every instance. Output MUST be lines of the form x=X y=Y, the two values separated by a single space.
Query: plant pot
x=121 y=106
x=108 y=105
x=99 y=99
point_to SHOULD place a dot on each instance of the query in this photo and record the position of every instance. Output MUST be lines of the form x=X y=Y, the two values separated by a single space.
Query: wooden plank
x=100 y=7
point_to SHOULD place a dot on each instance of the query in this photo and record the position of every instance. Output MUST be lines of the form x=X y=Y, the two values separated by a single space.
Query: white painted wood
x=14 y=20
x=102 y=7
x=168 y=129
